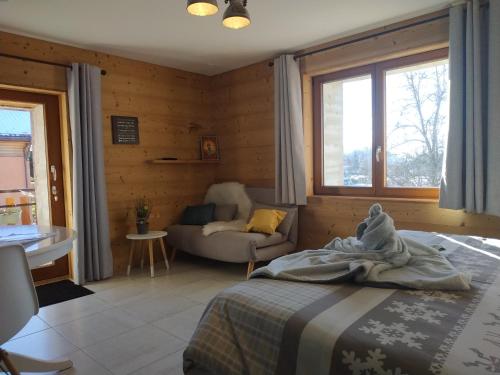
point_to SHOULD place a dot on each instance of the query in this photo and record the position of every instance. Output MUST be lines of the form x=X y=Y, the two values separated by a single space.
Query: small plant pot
x=142 y=228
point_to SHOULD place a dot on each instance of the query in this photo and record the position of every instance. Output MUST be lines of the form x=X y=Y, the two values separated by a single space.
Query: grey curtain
x=290 y=183
x=90 y=209
x=471 y=178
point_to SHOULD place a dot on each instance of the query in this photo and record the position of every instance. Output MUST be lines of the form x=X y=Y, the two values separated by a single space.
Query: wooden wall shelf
x=194 y=161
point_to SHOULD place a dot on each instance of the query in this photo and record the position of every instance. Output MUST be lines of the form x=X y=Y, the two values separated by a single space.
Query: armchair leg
x=172 y=257
x=250 y=268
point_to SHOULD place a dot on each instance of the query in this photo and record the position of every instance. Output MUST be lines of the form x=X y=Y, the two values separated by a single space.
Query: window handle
x=377 y=153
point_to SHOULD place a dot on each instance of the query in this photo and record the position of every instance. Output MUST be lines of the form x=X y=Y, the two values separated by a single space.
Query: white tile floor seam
x=34 y=325
x=181 y=324
x=72 y=310
x=135 y=349
x=171 y=363
x=37 y=345
x=131 y=325
x=98 y=327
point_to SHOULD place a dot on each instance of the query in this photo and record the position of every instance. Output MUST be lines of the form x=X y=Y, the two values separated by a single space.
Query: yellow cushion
x=265 y=221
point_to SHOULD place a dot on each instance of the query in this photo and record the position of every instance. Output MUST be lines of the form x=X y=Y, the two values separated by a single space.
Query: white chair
x=18 y=305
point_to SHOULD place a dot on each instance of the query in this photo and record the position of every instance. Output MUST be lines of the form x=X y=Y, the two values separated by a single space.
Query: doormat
x=60 y=291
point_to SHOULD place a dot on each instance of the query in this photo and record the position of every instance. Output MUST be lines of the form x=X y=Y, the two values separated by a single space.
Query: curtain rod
x=103 y=72
x=366 y=37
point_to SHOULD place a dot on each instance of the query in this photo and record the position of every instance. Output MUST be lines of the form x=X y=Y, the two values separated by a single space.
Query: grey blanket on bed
x=378 y=255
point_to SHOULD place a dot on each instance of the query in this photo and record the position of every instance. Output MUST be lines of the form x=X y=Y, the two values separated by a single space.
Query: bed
x=265 y=326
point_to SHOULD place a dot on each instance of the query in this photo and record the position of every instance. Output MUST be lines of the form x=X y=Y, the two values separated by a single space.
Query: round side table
x=149 y=238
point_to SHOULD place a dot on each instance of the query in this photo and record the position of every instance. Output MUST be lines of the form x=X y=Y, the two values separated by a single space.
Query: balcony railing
x=17 y=206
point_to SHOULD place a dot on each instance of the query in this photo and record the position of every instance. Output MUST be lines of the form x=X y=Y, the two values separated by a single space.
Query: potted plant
x=142 y=212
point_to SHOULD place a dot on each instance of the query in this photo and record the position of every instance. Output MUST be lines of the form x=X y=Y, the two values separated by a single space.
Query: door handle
x=53 y=171
x=377 y=153
x=54 y=193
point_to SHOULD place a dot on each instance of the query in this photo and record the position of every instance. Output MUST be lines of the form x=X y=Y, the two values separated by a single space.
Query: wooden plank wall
x=326 y=217
x=243 y=103
x=167 y=102
x=244 y=120
x=238 y=106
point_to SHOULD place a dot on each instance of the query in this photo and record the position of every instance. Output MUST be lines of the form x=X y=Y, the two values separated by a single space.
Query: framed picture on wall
x=209 y=147
x=125 y=130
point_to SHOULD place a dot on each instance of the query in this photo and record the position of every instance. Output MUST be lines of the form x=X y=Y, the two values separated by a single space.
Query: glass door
x=31 y=183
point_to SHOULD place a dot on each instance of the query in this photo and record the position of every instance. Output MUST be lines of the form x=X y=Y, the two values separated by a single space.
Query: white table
x=38 y=253
x=43 y=251
x=149 y=237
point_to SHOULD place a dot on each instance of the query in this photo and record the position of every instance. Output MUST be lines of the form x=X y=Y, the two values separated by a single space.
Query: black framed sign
x=125 y=130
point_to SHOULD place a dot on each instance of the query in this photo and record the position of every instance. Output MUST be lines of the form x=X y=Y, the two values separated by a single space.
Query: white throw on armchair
x=18 y=305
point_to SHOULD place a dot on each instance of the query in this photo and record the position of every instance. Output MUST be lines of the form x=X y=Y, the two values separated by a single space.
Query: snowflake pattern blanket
x=265 y=326
x=377 y=256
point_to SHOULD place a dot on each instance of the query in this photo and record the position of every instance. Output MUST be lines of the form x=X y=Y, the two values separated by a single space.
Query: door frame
x=66 y=159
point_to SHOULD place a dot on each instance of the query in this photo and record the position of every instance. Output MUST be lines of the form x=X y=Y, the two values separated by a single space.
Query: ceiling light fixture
x=236 y=15
x=202 y=7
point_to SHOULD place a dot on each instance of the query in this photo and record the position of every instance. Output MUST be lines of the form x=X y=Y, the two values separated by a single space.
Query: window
x=381 y=129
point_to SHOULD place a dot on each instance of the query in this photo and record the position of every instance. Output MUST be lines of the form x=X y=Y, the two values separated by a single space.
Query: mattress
x=267 y=326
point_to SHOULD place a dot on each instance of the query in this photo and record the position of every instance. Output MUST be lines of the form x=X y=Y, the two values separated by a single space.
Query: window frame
x=377 y=72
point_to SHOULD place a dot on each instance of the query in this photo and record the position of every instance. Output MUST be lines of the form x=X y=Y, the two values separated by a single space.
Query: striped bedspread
x=276 y=327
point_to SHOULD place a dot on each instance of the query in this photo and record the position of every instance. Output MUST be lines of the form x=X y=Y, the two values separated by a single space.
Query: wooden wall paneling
x=175 y=108
x=243 y=102
x=166 y=101
x=327 y=217
x=425 y=37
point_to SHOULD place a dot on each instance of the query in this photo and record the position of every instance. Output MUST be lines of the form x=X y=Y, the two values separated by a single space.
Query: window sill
x=373 y=199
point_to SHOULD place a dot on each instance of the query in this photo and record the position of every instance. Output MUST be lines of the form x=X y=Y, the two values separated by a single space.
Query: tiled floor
x=131 y=325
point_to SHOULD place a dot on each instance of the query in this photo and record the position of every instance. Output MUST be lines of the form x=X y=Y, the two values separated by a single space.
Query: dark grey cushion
x=225 y=212
x=198 y=215
x=287 y=223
